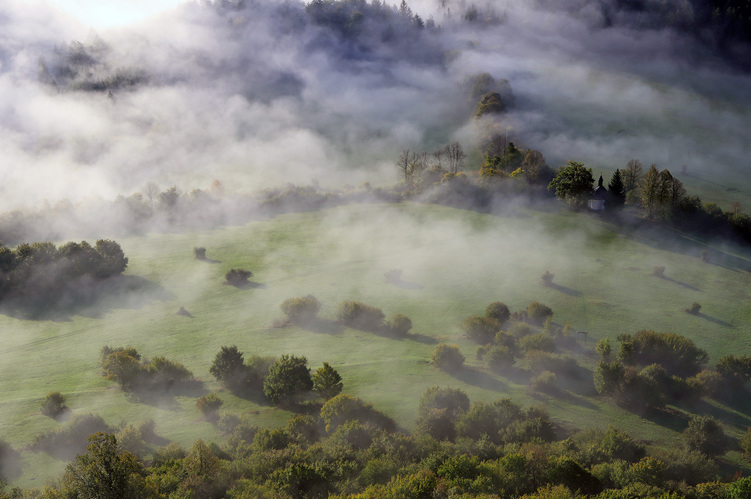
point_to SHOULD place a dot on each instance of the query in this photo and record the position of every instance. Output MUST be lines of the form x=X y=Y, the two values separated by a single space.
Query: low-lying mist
x=260 y=93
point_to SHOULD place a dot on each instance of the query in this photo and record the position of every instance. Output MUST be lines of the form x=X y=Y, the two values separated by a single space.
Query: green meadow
x=454 y=262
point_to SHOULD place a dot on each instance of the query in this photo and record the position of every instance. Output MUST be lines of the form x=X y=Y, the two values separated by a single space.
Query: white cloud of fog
x=255 y=100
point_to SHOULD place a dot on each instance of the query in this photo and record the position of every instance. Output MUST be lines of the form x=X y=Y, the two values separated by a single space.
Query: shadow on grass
x=723 y=414
x=666 y=417
x=209 y=260
x=407 y=285
x=165 y=397
x=563 y=289
x=679 y=283
x=571 y=398
x=713 y=320
x=246 y=285
x=92 y=299
x=479 y=379
x=421 y=338
x=319 y=325
x=10 y=462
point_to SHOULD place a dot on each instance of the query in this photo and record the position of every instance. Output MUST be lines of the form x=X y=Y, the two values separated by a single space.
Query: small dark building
x=599 y=196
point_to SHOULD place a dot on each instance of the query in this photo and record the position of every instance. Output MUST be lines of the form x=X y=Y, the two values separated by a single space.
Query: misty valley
x=350 y=249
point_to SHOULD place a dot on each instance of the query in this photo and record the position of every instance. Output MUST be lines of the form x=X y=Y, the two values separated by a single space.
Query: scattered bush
x=546 y=381
x=658 y=271
x=539 y=341
x=53 y=404
x=199 y=253
x=480 y=329
x=563 y=365
x=499 y=358
x=547 y=278
x=498 y=311
x=537 y=312
x=447 y=357
x=393 y=276
x=694 y=308
x=301 y=309
x=745 y=443
x=237 y=277
x=124 y=366
x=360 y=316
x=399 y=325
x=69 y=439
x=603 y=349
x=677 y=354
x=209 y=406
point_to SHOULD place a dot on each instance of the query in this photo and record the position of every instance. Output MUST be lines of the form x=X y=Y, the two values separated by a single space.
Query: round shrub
x=301 y=309
x=209 y=406
x=704 y=434
x=53 y=404
x=519 y=330
x=399 y=324
x=237 y=277
x=499 y=358
x=360 y=316
x=537 y=312
x=545 y=382
x=539 y=341
x=480 y=329
x=498 y=311
x=447 y=357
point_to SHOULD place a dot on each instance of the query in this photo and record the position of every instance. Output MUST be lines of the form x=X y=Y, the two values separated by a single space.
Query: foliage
x=546 y=381
x=498 y=311
x=69 y=439
x=360 y=316
x=327 y=382
x=745 y=443
x=447 y=357
x=301 y=309
x=344 y=408
x=228 y=366
x=53 y=404
x=499 y=358
x=480 y=329
x=124 y=366
x=603 y=349
x=538 y=312
x=199 y=253
x=209 y=406
x=491 y=103
x=573 y=182
x=704 y=434
x=237 y=277
x=399 y=324
x=103 y=471
x=288 y=378
x=539 y=341
x=677 y=354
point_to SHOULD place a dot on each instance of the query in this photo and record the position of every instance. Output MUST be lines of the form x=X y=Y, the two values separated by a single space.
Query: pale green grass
x=454 y=263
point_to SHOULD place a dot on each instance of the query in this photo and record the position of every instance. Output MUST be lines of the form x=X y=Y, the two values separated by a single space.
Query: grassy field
x=454 y=263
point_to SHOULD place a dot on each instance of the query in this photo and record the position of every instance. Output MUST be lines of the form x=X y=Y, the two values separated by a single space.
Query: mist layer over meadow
x=230 y=98
x=264 y=92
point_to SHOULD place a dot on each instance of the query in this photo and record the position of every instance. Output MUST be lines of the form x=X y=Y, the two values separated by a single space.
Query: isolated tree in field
x=399 y=324
x=199 y=253
x=327 y=382
x=573 y=183
x=209 y=406
x=53 y=404
x=288 y=378
x=538 y=312
x=301 y=309
x=705 y=434
x=359 y=315
x=228 y=366
x=237 y=277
